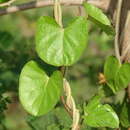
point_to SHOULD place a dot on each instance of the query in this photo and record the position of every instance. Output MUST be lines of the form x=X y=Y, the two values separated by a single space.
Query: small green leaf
x=123 y=77
x=111 y=68
x=99 y=18
x=117 y=76
x=57 y=116
x=125 y=114
x=39 y=92
x=42 y=122
x=105 y=91
x=61 y=46
x=63 y=118
x=98 y=115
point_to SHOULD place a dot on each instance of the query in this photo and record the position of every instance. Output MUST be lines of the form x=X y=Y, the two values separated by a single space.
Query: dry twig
x=42 y=3
x=7 y=3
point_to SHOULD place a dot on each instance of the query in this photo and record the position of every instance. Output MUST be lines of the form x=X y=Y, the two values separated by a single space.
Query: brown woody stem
x=42 y=3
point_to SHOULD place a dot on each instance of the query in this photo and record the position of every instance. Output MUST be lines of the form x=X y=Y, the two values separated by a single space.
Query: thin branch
x=40 y=4
x=7 y=3
x=117 y=28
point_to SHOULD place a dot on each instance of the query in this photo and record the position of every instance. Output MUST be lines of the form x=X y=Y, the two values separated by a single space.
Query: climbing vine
x=43 y=84
x=61 y=47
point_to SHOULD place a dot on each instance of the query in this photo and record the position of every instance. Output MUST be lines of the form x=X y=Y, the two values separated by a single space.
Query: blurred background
x=17 y=46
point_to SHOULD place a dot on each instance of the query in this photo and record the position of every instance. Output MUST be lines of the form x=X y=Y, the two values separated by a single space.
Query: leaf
x=98 y=115
x=111 y=68
x=61 y=46
x=42 y=122
x=105 y=91
x=123 y=77
x=125 y=114
x=57 y=117
x=63 y=118
x=39 y=92
x=99 y=18
x=117 y=76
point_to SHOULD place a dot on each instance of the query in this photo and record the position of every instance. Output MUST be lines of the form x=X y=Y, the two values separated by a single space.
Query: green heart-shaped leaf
x=98 y=115
x=122 y=78
x=99 y=18
x=117 y=76
x=111 y=68
x=61 y=46
x=39 y=92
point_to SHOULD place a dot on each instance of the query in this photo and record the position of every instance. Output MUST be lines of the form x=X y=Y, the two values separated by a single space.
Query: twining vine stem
x=72 y=106
x=69 y=104
x=117 y=29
